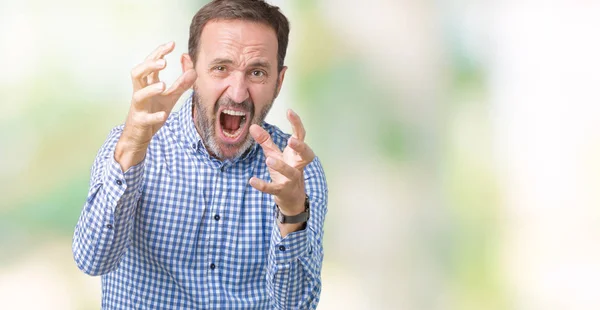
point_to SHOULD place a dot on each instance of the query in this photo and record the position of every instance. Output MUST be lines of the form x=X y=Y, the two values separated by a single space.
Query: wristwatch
x=300 y=218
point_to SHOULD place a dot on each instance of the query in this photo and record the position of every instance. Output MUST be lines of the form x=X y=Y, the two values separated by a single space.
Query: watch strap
x=294 y=219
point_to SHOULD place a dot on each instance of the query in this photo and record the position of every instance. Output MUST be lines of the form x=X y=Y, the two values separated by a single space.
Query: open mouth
x=233 y=123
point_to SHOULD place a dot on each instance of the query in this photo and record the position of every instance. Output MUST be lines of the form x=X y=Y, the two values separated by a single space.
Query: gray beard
x=206 y=124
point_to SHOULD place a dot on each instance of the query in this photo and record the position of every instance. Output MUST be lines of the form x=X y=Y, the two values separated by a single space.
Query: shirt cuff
x=293 y=246
x=120 y=185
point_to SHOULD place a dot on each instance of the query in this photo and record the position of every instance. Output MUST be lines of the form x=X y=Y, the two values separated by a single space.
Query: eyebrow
x=221 y=61
x=254 y=64
x=260 y=64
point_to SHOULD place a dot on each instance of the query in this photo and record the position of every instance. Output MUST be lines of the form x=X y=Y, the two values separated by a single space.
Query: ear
x=186 y=62
x=280 y=78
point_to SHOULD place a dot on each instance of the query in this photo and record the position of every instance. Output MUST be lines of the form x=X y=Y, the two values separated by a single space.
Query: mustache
x=246 y=105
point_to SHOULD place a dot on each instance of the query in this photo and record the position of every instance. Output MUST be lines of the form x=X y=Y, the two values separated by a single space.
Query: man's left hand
x=286 y=168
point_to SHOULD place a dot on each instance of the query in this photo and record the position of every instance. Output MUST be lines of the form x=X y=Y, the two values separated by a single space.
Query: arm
x=294 y=263
x=103 y=231
x=296 y=253
x=104 y=228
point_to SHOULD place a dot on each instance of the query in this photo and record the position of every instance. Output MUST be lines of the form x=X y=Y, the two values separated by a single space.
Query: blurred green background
x=460 y=140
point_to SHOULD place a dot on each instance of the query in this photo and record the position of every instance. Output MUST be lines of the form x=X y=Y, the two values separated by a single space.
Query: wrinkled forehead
x=238 y=40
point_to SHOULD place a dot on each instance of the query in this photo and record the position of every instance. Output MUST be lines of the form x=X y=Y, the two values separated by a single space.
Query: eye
x=219 y=69
x=258 y=73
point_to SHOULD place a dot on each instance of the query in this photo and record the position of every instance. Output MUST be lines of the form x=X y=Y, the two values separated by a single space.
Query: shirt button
x=109 y=226
x=194 y=146
x=281 y=248
x=217 y=217
x=119 y=182
x=212 y=266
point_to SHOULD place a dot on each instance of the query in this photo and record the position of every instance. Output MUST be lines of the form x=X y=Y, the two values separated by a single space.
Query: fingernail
x=270 y=161
x=159 y=85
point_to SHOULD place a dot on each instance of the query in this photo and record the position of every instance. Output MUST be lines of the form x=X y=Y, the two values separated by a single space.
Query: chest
x=195 y=213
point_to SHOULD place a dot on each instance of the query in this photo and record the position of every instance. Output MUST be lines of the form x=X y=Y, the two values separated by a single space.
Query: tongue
x=231 y=123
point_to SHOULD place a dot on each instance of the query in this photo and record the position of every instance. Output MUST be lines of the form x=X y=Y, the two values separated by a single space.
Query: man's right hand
x=150 y=107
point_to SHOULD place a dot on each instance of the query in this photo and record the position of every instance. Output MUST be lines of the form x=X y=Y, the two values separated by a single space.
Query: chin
x=230 y=151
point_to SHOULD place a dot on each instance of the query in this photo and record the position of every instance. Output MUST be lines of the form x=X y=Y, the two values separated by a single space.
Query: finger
x=263 y=138
x=149 y=91
x=283 y=168
x=267 y=188
x=139 y=73
x=297 y=127
x=183 y=83
x=302 y=149
x=158 y=54
x=161 y=51
x=156 y=118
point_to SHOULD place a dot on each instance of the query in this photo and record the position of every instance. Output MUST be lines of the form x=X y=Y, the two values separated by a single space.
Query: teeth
x=233 y=135
x=236 y=133
x=234 y=113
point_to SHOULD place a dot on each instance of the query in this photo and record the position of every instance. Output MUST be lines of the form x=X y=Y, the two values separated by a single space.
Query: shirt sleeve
x=294 y=262
x=103 y=232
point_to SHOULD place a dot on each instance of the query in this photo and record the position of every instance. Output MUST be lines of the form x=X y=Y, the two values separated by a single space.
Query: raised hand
x=285 y=168
x=150 y=106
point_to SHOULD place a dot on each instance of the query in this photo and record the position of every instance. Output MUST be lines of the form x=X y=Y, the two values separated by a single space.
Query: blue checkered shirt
x=183 y=230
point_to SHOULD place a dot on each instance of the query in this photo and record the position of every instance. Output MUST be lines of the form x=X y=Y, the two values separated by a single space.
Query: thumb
x=183 y=83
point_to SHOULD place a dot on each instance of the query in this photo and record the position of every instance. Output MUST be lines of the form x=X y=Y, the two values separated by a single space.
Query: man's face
x=237 y=83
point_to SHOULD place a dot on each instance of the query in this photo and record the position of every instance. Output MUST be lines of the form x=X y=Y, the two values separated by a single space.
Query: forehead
x=238 y=38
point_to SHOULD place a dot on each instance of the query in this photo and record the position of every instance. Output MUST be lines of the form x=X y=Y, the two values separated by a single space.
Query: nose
x=237 y=89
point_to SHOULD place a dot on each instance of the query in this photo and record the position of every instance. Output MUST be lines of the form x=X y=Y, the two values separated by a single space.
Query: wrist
x=292 y=208
x=286 y=217
x=129 y=153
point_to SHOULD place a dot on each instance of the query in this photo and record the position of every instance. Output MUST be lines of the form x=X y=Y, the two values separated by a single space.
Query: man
x=200 y=208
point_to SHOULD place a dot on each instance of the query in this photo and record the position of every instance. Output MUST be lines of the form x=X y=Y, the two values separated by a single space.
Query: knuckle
x=287 y=183
x=301 y=148
x=137 y=97
x=136 y=118
x=269 y=190
x=274 y=187
x=154 y=119
x=295 y=173
x=277 y=189
x=264 y=136
x=263 y=187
